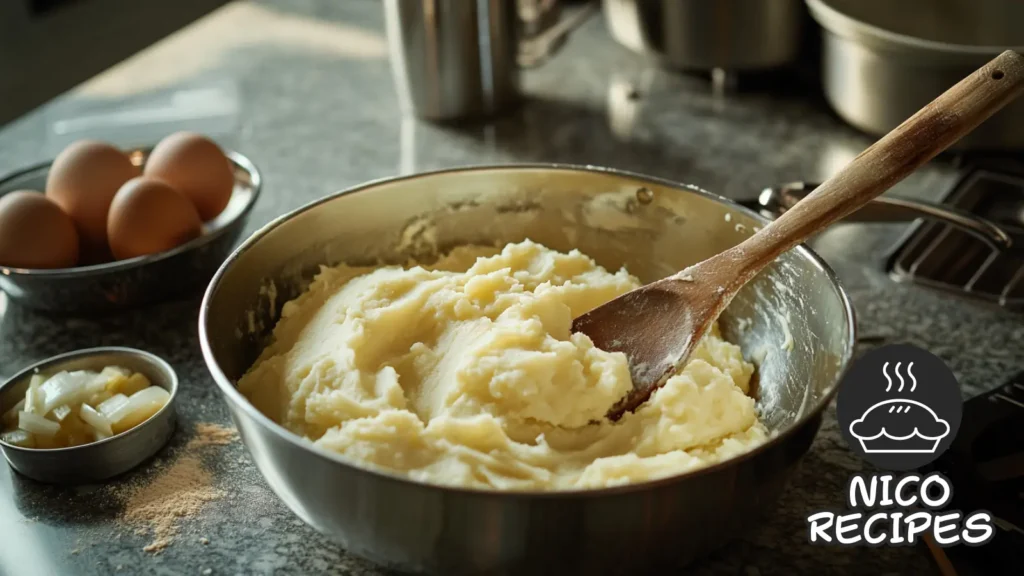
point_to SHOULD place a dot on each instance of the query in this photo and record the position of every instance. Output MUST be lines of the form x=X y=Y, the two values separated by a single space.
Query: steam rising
x=896 y=370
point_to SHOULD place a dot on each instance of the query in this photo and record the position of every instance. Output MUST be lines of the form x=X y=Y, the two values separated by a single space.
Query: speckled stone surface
x=304 y=89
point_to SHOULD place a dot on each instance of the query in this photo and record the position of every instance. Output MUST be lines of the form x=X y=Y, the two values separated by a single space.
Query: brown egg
x=148 y=216
x=195 y=166
x=83 y=181
x=35 y=232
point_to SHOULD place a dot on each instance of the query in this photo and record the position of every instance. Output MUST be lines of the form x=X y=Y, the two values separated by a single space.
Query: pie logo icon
x=899 y=407
x=906 y=427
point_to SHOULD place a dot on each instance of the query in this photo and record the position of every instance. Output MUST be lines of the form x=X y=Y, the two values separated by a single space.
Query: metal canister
x=458 y=59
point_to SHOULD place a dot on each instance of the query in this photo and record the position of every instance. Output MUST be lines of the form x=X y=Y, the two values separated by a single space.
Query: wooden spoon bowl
x=657 y=326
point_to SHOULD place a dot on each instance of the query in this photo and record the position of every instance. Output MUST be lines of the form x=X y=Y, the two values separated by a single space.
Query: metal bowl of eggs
x=95 y=230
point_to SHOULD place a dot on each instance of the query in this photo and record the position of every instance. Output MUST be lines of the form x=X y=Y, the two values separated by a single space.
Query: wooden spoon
x=658 y=325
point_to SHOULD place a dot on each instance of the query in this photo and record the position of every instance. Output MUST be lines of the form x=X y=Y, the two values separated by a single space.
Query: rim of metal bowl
x=838 y=22
x=84 y=353
x=236 y=158
x=231 y=393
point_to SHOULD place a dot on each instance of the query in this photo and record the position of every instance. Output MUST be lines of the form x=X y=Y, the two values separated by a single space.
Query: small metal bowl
x=135 y=281
x=106 y=458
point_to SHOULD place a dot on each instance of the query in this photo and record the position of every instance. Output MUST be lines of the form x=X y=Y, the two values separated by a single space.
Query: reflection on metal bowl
x=651 y=226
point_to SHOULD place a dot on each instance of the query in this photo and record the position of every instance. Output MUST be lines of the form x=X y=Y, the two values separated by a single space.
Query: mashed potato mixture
x=466 y=373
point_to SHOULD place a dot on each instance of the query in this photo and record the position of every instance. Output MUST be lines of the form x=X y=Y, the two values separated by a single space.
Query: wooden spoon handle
x=933 y=129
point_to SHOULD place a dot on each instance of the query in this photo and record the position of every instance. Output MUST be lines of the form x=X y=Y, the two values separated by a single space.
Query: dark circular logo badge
x=899 y=407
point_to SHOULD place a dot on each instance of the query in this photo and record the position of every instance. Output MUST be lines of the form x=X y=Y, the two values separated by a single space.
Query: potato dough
x=465 y=373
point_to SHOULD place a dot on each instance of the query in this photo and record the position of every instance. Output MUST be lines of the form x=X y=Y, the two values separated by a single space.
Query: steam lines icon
x=899 y=425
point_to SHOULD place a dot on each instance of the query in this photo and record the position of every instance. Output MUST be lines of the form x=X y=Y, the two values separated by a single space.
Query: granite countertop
x=304 y=89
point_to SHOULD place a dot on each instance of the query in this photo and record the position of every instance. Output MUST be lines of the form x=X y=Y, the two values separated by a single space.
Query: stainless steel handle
x=534 y=51
x=775 y=201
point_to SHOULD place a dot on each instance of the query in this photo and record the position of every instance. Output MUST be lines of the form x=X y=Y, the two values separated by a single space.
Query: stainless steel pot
x=732 y=35
x=653 y=227
x=884 y=60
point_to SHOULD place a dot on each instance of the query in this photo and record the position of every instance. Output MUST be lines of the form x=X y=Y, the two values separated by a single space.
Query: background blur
x=48 y=46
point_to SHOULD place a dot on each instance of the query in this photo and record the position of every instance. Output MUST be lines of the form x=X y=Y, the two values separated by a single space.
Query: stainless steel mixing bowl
x=794 y=321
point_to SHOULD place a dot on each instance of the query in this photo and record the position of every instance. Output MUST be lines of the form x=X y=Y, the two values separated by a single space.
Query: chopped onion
x=114 y=372
x=37 y=425
x=19 y=438
x=98 y=398
x=61 y=412
x=11 y=416
x=109 y=379
x=139 y=408
x=72 y=408
x=99 y=422
x=77 y=431
x=64 y=388
x=112 y=404
x=135 y=383
x=32 y=394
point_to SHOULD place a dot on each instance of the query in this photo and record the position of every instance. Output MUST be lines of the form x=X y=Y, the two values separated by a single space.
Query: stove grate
x=944 y=258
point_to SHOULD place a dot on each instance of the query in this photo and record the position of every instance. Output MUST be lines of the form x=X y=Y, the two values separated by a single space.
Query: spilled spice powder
x=178 y=491
x=212 y=435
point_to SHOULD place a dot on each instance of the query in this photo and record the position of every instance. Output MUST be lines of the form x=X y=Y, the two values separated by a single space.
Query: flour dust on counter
x=177 y=492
